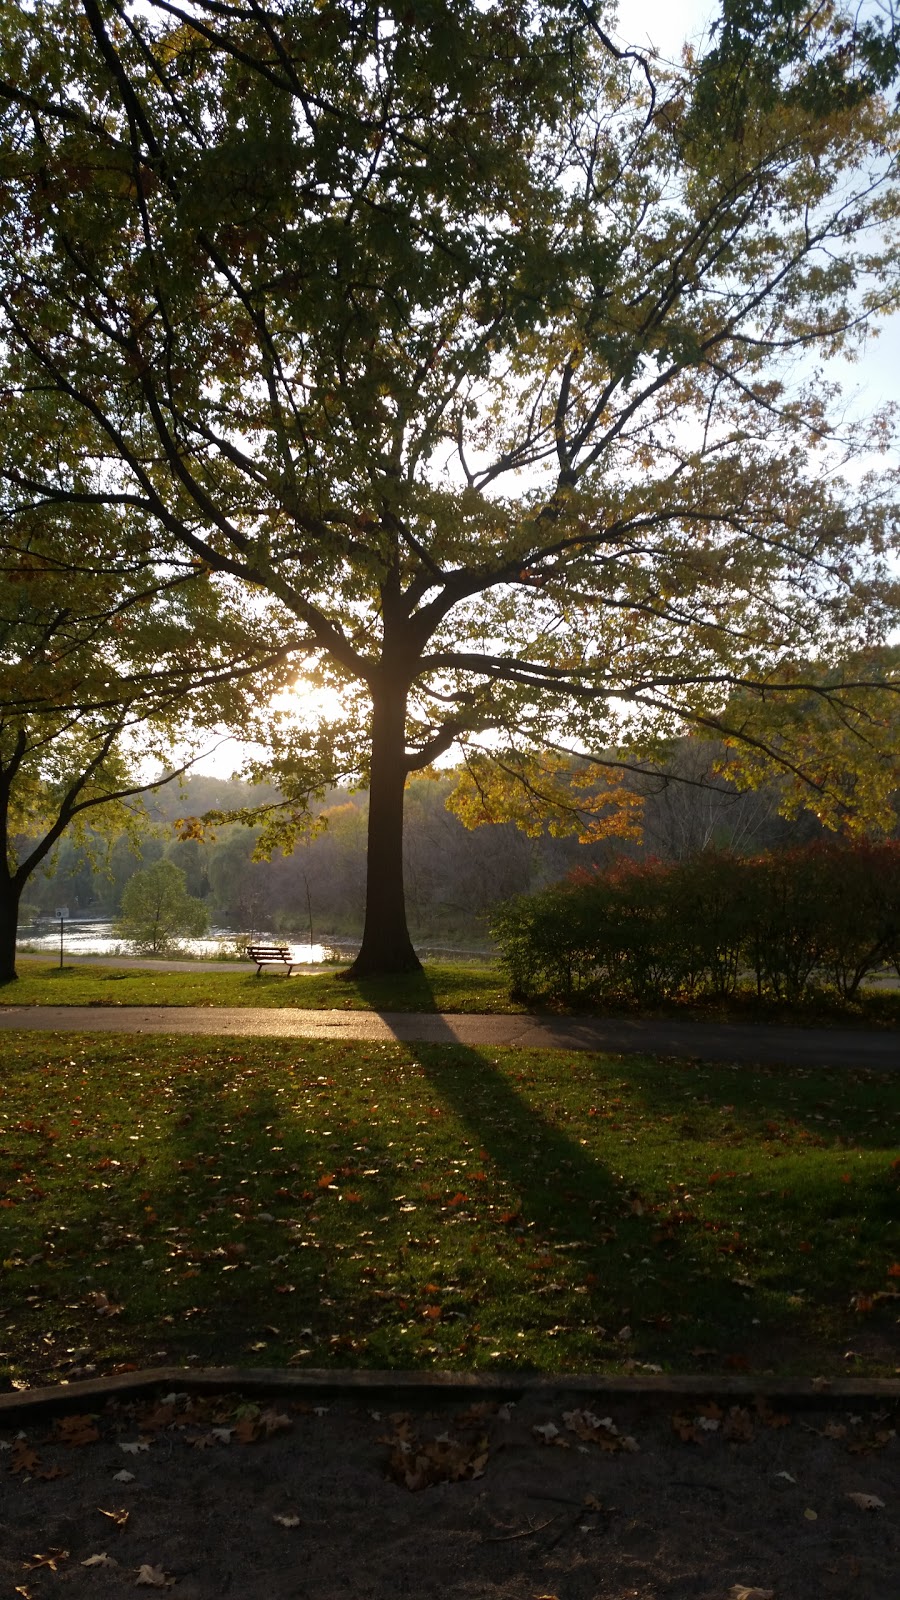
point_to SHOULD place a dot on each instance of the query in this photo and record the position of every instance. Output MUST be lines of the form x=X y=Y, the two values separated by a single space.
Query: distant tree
x=157 y=910
x=468 y=339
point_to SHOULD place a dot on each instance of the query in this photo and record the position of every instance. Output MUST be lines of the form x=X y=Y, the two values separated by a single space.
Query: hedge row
x=819 y=918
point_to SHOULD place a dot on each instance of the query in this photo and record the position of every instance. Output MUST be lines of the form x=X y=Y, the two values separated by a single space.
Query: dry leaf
x=738 y=1424
x=77 y=1430
x=102 y=1560
x=119 y=1517
x=152 y=1577
x=740 y=1591
x=131 y=1447
x=24 y=1458
x=273 y=1421
x=598 y=1430
x=547 y=1431
x=867 y=1502
x=124 y=1476
x=768 y=1417
x=418 y=1463
x=810 y=1515
x=102 y=1304
x=49 y=1560
x=289 y=1521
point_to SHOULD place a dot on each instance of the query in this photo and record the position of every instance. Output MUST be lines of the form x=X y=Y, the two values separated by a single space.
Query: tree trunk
x=9 y=927
x=386 y=945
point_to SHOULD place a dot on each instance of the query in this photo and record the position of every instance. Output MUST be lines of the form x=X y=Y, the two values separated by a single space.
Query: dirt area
x=288 y=1500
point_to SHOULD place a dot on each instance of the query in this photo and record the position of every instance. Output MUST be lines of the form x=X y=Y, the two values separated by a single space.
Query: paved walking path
x=809 y=1047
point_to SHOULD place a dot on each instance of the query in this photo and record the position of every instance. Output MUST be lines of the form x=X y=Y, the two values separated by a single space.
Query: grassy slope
x=439 y=1206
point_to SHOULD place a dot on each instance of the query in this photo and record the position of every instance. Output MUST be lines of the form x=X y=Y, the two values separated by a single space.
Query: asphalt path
x=730 y=1042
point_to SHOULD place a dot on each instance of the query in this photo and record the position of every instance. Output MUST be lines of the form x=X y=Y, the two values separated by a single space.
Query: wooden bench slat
x=269 y=954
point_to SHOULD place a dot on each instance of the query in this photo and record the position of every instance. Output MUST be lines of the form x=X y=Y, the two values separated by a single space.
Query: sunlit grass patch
x=440 y=987
x=267 y=1202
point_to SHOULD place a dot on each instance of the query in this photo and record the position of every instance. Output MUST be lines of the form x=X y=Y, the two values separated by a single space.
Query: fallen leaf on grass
x=102 y=1560
x=289 y=1521
x=866 y=1502
x=810 y=1515
x=132 y=1446
x=152 y=1577
x=123 y=1477
x=102 y=1304
x=740 y=1591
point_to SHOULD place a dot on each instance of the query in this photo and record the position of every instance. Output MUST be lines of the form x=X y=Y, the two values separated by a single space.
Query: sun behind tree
x=468 y=342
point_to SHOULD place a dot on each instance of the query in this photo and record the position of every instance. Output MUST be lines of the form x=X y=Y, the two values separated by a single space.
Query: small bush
x=157 y=909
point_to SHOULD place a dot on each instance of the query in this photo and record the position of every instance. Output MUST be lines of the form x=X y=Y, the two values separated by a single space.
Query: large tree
x=475 y=343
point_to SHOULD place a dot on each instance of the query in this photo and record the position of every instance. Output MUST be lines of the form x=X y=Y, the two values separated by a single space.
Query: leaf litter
x=467 y=1455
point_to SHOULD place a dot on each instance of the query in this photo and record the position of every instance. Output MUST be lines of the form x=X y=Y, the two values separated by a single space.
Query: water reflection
x=88 y=937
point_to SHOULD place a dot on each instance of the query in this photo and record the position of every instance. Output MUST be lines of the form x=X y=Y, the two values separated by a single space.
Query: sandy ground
x=314 y=1506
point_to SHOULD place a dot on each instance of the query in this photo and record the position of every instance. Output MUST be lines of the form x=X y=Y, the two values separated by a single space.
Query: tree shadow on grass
x=410 y=1205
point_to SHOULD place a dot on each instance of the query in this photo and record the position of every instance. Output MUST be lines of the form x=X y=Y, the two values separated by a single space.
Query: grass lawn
x=441 y=987
x=326 y=1204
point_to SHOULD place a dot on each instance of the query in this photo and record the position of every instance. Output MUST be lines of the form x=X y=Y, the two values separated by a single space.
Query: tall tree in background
x=468 y=339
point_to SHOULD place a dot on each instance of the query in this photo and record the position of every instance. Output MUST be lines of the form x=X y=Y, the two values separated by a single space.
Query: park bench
x=269 y=954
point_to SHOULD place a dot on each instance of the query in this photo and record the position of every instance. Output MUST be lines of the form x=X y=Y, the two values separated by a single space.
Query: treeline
x=794 y=923
x=455 y=875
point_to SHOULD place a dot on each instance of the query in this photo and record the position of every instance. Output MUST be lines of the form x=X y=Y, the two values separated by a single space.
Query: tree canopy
x=111 y=657
x=476 y=344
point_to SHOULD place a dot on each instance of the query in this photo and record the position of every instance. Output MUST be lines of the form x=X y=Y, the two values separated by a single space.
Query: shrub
x=821 y=916
x=156 y=909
